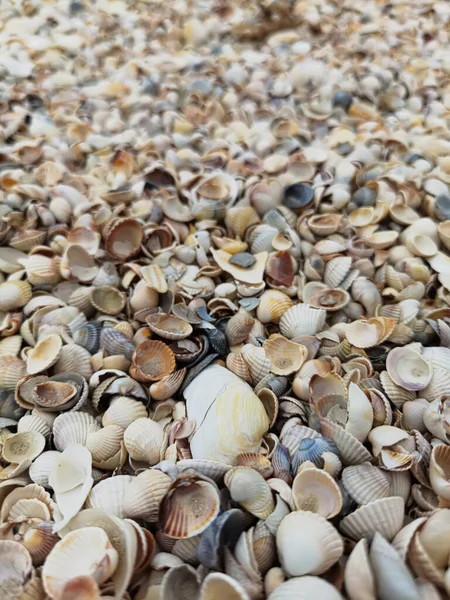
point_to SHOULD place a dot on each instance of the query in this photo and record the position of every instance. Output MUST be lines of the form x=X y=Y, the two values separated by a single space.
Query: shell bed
x=224 y=300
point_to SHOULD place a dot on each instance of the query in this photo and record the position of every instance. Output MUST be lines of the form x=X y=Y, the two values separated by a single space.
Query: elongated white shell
x=229 y=417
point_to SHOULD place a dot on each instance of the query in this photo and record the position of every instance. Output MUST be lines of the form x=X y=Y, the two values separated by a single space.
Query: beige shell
x=23 y=446
x=16 y=567
x=167 y=386
x=145 y=441
x=106 y=447
x=34 y=423
x=257 y=361
x=307 y=544
x=14 y=295
x=143 y=297
x=285 y=356
x=301 y=320
x=108 y=299
x=122 y=411
x=51 y=395
x=189 y=506
x=42 y=466
x=44 y=354
x=272 y=306
x=408 y=369
x=73 y=428
x=77 y=263
x=85 y=551
x=316 y=491
x=12 y=370
x=238 y=328
x=250 y=490
x=305 y=588
x=154 y=276
x=169 y=326
x=385 y=515
x=237 y=365
x=143 y=496
x=218 y=586
x=109 y=495
x=124 y=238
x=366 y=482
x=253 y=275
x=439 y=472
x=358 y=576
x=152 y=361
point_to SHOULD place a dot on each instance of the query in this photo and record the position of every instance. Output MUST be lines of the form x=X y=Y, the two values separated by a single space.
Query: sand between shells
x=224 y=300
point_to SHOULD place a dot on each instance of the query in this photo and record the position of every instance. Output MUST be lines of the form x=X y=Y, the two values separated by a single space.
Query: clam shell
x=73 y=428
x=237 y=365
x=439 y=471
x=180 y=582
x=85 y=551
x=366 y=483
x=189 y=506
x=169 y=327
x=384 y=515
x=304 y=588
x=153 y=360
x=307 y=544
x=257 y=361
x=145 y=493
x=16 y=567
x=123 y=411
x=23 y=446
x=44 y=354
x=106 y=447
x=108 y=300
x=109 y=495
x=302 y=320
x=255 y=461
x=52 y=395
x=358 y=576
x=12 y=370
x=124 y=238
x=316 y=491
x=88 y=336
x=252 y=275
x=351 y=451
x=33 y=423
x=14 y=295
x=408 y=369
x=115 y=342
x=272 y=306
x=285 y=356
x=42 y=466
x=143 y=297
x=238 y=328
x=250 y=490
x=74 y=359
x=145 y=441
x=208 y=468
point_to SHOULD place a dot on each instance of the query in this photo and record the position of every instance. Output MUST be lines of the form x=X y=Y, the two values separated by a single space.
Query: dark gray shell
x=298 y=195
x=243 y=259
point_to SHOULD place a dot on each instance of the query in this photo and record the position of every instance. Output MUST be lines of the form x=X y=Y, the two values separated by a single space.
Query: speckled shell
x=230 y=418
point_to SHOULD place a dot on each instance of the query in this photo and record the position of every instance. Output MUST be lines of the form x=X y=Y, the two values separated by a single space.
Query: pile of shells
x=224 y=300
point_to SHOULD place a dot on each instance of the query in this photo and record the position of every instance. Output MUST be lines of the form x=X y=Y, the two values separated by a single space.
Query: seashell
x=124 y=238
x=88 y=336
x=218 y=586
x=115 y=342
x=144 y=495
x=257 y=361
x=330 y=299
x=413 y=411
x=85 y=551
x=52 y=395
x=33 y=423
x=250 y=490
x=77 y=263
x=73 y=359
x=143 y=297
x=154 y=277
x=302 y=588
x=285 y=356
x=107 y=299
x=314 y=551
x=439 y=471
x=108 y=495
x=14 y=294
x=301 y=320
x=169 y=326
x=238 y=328
x=44 y=354
x=252 y=275
x=211 y=469
x=73 y=428
x=408 y=369
x=298 y=195
x=123 y=411
x=180 y=582
x=42 y=466
x=27 y=240
x=237 y=365
x=255 y=461
x=106 y=447
x=272 y=305
x=152 y=361
x=168 y=386
x=384 y=515
x=366 y=483
x=396 y=394
x=42 y=269
x=144 y=441
x=242 y=259
x=369 y=333
x=351 y=451
x=236 y=433
x=189 y=506
x=16 y=568
x=336 y=270
x=23 y=446
x=316 y=491
x=358 y=577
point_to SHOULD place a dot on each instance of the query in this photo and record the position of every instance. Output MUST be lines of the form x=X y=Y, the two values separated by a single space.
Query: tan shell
x=108 y=300
x=12 y=370
x=358 y=576
x=249 y=488
x=439 y=472
x=218 y=586
x=144 y=495
x=73 y=358
x=50 y=395
x=124 y=238
x=14 y=294
x=302 y=319
x=168 y=386
x=316 y=491
x=144 y=441
x=238 y=328
x=44 y=354
x=122 y=411
x=109 y=495
x=106 y=447
x=152 y=361
x=285 y=356
x=169 y=326
x=154 y=277
x=189 y=506
x=272 y=306
x=253 y=275
x=23 y=446
x=73 y=428
x=385 y=515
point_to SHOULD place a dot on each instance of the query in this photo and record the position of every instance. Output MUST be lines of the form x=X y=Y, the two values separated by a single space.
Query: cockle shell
x=152 y=360
x=272 y=305
x=143 y=496
x=250 y=490
x=22 y=446
x=122 y=411
x=124 y=238
x=408 y=369
x=307 y=544
x=144 y=440
x=358 y=576
x=14 y=294
x=304 y=588
x=316 y=491
x=385 y=515
x=169 y=326
x=301 y=320
x=221 y=431
x=257 y=361
x=73 y=428
x=109 y=495
x=440 y=471
x=44 y=354
x=285 y=356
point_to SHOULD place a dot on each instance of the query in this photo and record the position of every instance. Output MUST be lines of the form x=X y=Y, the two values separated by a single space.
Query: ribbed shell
x=122 y=411
x=143 y=496
x=302 y=319
x=385 y=516
x=74 y=358
x=73 y=428
x=109 y=495
x=272 y=306
x=144 y=440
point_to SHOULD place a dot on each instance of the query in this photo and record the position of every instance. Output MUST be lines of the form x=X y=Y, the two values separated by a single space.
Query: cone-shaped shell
x=250 y=490
x=169 y=327
x=44 y=354
x=85 y=551
x=316 y=491
x=14 y=295
x=307 y=544
x=285 y=356
x=124 y=238
x=385 y=515
x=190 y=505
x=109 y=495
x=302 y=319
x=305 y=588
x=145 y=441
x=143 y=496
x=152 y=360
x=230 y=418
x=408 y=369
x=272 y=306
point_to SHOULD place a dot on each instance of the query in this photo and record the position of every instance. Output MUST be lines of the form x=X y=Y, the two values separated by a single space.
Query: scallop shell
x=14 y=295
x=302 y=320
x=106 y=447
x=85 y=551
x=250 y=490
x=109 y=495
x=257 y=361
x=108 y=299
x=155 y=278
x=169 y=326
x=272 y=306
x=237 y=365
x=190 y=505
x=143 y=496
x=307 y=544
x=384 y=515
x=74 y=359
x=238 y=328
x=44 y=354
x=34 y=423
x=152 y=361
x=351 y=451
x=316 y=491
x=144 y=441
x=12 y=370
x=115 y=342
x=285 y=356
x=123 y=411
x=124 y=238
x=168 y=386
x=73 y=428
x=366 y=483
x=88 y=336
